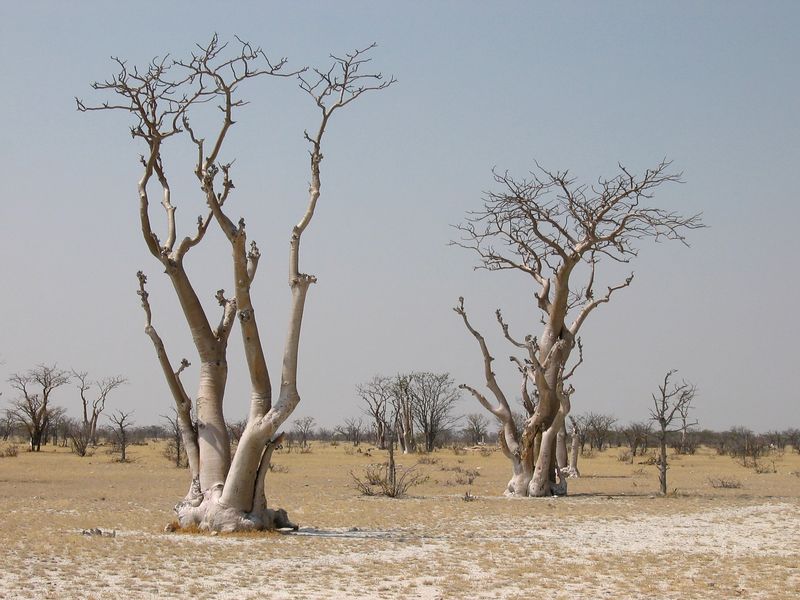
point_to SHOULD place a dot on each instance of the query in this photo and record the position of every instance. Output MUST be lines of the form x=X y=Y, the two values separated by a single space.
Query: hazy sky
x=579 y=86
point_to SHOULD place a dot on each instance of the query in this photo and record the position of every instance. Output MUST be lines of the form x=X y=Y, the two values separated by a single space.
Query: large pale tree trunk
x=225 y=493
x=575 y=449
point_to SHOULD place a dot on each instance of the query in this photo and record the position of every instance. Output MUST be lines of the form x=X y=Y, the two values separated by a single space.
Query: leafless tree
x=402 y=401
x=598 y=429
x=668 y=403
x=235 y=430
x=636 y=435
x=376 y=395
x=555 y=230
x=477 y=428
x=686 y=445
x=8 y=424
x=225 y=493
x=121 y=423
x=304 y=428
x=79 y=438
x=94 y=406
x=351 y=430
x=793 y=438
x=32 y=408
x=577 y=443
x=57 y=429
x=175 y=450
x=746 y=446
x=434 y=396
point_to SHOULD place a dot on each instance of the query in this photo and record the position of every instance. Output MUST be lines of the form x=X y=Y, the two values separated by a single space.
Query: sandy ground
x=699 y=543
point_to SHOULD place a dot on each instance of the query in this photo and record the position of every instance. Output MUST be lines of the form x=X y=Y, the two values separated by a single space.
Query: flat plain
x=612 y=537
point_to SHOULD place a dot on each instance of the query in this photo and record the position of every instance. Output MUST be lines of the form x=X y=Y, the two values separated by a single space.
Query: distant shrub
x=730 y=484
x=381 y=480
x=427 y=459
x=9 y=451
x=763 y=468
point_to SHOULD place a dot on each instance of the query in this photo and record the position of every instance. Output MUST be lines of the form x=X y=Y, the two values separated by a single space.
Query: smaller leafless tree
x=93 y=396
x=351 y=430
x=235 y=430
x=8 y=425
x=668 y=404
x=792 y=437
x=777 y=441
x=477 y=428
x=376 y=395
x=746 y=446
x=79 y=438
x=598 y=430
x=304 y=428
x=121 y=424
x=403 y=412
x=636 y=436
x=57 y=428
x=175 y=450
x=32 y=409
x=434 y=397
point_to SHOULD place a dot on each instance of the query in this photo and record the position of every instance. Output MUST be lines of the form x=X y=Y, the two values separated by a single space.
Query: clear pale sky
x=581 y=85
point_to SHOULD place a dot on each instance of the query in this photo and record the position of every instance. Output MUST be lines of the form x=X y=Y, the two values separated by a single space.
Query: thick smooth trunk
x=575 y=448
x=212 y=435
x=543 y=482
x=561 y=448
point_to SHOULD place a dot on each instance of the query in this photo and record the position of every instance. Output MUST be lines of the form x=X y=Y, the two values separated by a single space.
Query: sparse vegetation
x=724 y=483
x=9 y=451
x=443 y=529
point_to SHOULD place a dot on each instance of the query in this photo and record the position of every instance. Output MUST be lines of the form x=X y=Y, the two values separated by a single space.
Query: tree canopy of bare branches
x=226 y=493
x=554 y=230
x=32 y=408
x=93 y=395
x=672 y=400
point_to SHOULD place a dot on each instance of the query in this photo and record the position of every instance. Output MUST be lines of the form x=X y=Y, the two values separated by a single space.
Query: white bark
x=225 y=494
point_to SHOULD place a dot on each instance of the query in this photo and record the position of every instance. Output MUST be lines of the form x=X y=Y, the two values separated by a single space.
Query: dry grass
x=612 y=537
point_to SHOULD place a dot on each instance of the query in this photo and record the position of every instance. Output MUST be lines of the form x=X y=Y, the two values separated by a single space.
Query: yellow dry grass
x=612 y=537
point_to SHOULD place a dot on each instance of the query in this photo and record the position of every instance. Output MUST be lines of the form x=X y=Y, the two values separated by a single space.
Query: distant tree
x=598 y=429
x=236 y=429
x=376 y=395
x=777 y=440
x=8 y=425
x=175 y=450
x=57 y=428
x=577 y=443
x=636 y=435
x=79 y=437
x=351 y=430
x=476 y=429
x=793 y=438
x=121 y=424
x=687 y=443
x=304 y=428
x=671 y=399
x=746 y=446
x=555 y=230
x=402 y=401
x=434 y=397
x=32 y=409
x=93 y=395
